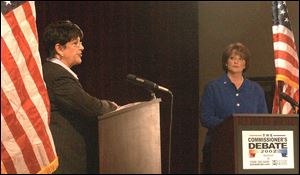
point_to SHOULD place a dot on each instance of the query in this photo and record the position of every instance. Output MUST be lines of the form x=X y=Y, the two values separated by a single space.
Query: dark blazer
x=73 y=121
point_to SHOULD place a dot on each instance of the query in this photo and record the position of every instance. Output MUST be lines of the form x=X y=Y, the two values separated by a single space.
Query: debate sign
x=268 y=149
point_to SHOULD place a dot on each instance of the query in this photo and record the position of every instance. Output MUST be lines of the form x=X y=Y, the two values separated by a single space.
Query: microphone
x=145 y=83
x=288 y=99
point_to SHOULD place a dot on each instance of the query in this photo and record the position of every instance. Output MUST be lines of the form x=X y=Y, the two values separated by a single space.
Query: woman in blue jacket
x=231 y=93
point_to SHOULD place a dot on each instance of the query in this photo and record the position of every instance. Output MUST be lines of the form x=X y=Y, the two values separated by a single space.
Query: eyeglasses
x=236 y=58
x=77 y=43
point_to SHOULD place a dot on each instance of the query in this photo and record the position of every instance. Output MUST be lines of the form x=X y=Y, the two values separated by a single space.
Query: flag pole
x=280 y=89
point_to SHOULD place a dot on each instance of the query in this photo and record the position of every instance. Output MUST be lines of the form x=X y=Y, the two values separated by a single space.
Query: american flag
x=286 y=58
x=26 y=141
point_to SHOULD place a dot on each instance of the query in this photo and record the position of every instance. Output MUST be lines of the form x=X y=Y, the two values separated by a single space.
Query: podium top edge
x=263 y=115
x=133 y=107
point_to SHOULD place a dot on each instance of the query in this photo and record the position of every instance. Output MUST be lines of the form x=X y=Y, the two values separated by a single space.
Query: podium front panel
x=268 y=132
x=129 y=140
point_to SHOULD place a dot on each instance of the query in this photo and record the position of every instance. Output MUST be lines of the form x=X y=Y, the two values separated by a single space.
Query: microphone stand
x=170 y=127
x=171 y=121
x=152 y=95
x=294 y=109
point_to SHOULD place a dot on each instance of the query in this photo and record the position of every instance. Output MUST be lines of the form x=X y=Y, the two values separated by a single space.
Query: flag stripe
x=284 y=39
x=30 y=38
x=11 y=93
x=26 y=27
x=31 y=64
x=19 y=135
x=285 y=68
x=281 y=29
x=30 y=18
x=26 y=51
x=14 y=155
x=287 y=80
x=286 y=56
x=8 y=163
x=25 y=99
x=286 y=48
x=26 y=143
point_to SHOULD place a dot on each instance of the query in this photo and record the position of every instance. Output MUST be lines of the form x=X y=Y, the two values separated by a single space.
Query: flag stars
x=282 y=12
x=279 y=5
x=286 y=20
x=7 y=2
x=280 y=16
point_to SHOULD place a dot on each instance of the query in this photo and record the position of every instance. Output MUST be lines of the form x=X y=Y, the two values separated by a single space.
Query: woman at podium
x=73 y=111
x=231 y=93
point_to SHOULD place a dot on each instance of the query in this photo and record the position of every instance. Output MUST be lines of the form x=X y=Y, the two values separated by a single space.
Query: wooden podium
x=129 y=139
x=256 y=143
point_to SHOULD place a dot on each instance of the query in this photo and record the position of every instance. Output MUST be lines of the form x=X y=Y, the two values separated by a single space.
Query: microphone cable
x=170 y=133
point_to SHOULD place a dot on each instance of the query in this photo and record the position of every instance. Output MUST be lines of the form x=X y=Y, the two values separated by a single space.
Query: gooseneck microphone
x=150 y=86
x=146 y=83
x=289 y=99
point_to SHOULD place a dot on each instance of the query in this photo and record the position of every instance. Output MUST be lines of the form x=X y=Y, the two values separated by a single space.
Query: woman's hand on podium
x=114 y=105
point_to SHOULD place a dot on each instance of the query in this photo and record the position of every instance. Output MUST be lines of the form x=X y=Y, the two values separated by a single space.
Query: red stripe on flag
x=288 y=74
x=30 y=18
x=286 y=56
x=284 y=38
x=6 y=159
x=28 y=106
x=19 y=134
x=296 y=95
x=35 y=118
x=29 y=58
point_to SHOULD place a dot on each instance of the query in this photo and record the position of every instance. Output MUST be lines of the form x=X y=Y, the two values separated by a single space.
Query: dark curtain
x=154 y=40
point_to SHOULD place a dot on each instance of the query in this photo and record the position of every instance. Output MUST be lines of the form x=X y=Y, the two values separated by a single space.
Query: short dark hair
x=240 y=49
x=60 y=32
